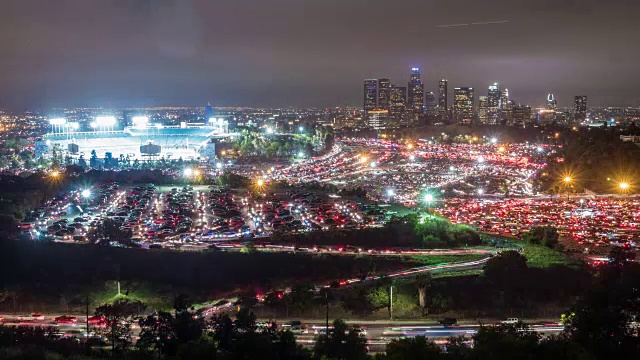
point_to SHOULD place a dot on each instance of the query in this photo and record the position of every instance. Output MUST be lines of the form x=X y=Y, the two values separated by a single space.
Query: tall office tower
x=383 y=93
x=370 y=96
x=463 y=105
x=521 y=115
x=580 y=108
x=493 y=103
x=415 y=95
x=208 y=112
x=397 y=105
x=442 y=100
x=483 y=110
x=430 y=105
x=504 y=100
x=552 y=103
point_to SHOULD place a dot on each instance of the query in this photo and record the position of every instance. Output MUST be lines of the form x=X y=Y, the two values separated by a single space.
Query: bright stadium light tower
x=140 y=122
x=106 y=122
x=57 y=124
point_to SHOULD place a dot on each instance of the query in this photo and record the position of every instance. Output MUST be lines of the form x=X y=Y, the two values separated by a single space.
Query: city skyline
x=110 y=54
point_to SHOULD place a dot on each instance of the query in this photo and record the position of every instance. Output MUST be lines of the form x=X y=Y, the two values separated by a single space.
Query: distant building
x=370 y=97
x=520 y=115
x=552 y=103
x=383 y=93
x=208 y=112
x=493 y=103
x=483 y=110
x=398 y=105
x=463 y=105
x=504 y=100
x=443 y=108
x=415 y=95
x=430 y=105
x=378 y=119
x=580 y=108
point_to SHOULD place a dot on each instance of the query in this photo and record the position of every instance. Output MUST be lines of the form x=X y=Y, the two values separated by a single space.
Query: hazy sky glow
x=310 y=52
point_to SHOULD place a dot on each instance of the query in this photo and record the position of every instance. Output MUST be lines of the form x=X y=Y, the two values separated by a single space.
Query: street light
x=55 y=174
x=391 y=193
x=188 y=172
x=86 y=193
x=624 y=186
x=260 y=183
x=301 y=129
x=567 y=181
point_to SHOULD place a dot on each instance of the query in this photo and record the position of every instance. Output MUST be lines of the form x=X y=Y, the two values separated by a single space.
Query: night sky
x=311 y=52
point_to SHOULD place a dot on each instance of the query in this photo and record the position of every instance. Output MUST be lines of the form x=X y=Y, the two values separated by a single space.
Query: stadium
x=142 y=141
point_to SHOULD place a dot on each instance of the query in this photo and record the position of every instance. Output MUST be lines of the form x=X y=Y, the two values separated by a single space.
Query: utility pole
x=391 y=302
x=326 y=296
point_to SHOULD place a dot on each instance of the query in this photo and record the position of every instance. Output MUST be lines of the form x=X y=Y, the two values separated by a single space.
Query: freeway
x=378 y=333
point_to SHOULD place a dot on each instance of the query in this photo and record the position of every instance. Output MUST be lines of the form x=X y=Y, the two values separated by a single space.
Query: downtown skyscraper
x=376 y=102
x=443 y=102
x=398 y=105
x=415 y=94
x=493 y=104
x=463 y=105
x=580 y=108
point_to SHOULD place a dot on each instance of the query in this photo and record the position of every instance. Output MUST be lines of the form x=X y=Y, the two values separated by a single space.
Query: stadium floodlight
x=105 y=121
x=140 y=121
x=58 y=121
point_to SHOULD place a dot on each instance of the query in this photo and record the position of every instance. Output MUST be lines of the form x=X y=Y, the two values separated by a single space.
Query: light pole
x=567 y=181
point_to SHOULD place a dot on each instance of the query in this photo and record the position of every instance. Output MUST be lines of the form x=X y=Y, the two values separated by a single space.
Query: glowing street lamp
x=301 y=129
x=260 y=183
x=480 y=191
x=428 y=198
x=391 y=193
x=54 y=174
x=86 y=193
x=188 y=172
x=494 y=140
x=567 y=179
x=624 y=186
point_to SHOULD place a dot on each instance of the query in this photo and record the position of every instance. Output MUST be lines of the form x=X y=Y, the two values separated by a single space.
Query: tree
x=167 y=333
x=117 y=317
x=157 y=332
x=504 y=343
x=506 y=267
x=547 y=235
x=600 y=321
x=342 y=342
x=379 y=297
x=416 y=348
